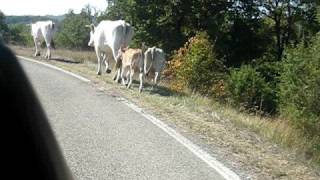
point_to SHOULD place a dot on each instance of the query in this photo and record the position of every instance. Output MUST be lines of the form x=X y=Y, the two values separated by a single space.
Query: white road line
x=196 y=150
x=56 y=68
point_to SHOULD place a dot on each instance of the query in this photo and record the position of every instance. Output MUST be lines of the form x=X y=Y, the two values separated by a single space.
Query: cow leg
x=122 y=76
x=130 y=77
x=115 y=76
x=155 y=81
x=106 y=63
x=118 y=64
x=105 y=60
x=141 y=82
x=37 y=53
x=118 y=73
x=127 y=76
x=48 y=56
x=99 y=62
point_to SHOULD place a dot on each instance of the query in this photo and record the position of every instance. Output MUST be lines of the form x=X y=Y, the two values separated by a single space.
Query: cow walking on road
x=131 y=60
x=107 y=38
x=43 y=30
x=154 y=63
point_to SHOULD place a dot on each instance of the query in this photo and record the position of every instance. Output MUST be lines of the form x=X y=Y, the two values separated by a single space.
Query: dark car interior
x=30 y=150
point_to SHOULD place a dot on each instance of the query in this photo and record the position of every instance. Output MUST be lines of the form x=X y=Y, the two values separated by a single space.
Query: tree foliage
x=250 y=90
x=11 y=20
x=3 y=28
x=300 y=87
x=20 y=34
x=168 y=24
x=72 y=31
x=292 y=21
x=196 y=66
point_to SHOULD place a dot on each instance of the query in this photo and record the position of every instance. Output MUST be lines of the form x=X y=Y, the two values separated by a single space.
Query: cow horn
x=91 y=26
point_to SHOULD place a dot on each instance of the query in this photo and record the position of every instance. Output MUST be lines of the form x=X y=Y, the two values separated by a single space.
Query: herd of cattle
x=110 y=40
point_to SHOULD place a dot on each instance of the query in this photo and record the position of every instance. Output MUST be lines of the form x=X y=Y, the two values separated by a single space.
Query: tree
x=300 y=87
x=73 y=33
x=168 y=24
x=3 y=28
x=246 y=35
x=286 y=14
x=20 y=34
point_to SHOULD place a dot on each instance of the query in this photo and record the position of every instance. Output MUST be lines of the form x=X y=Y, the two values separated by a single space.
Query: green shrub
x=270 y=71
x=72 y=31
x=300 y=88
x=3 y=28
x=20 y=34
x=197 y=67
x=249 y=89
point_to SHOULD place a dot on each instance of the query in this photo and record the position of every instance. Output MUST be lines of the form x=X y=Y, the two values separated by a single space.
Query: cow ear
x=91 y=26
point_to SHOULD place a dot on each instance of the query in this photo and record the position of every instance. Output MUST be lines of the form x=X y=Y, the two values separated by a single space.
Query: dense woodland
x=260 y=56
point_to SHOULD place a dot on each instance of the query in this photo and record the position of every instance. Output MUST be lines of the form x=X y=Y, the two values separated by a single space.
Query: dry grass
x=65 y=55
x=247 y=142
x=77 y=56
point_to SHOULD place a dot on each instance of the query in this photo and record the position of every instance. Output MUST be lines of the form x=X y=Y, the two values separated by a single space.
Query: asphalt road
x=101 y=138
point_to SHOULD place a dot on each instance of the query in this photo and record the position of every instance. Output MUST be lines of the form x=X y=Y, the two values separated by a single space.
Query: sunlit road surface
x=102 y=138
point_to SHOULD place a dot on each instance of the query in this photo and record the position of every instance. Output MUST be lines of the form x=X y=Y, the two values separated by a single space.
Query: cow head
x=91 y=41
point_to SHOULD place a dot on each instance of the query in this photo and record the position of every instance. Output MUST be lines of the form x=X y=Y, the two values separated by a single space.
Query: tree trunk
x=277 y=20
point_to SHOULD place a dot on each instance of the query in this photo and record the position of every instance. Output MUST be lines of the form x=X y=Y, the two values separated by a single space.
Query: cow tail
x=124 y=28
x=52 y=26
x=151 y=63
x=152 y=53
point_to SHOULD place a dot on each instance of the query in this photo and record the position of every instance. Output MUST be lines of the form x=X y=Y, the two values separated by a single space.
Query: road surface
x=102 y=138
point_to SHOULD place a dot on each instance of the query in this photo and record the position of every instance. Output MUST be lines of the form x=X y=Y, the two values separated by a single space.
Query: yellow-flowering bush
x=195 y=66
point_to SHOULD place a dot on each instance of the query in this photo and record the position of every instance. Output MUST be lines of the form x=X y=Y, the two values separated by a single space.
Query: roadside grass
x=250 y=138
x=79 y=56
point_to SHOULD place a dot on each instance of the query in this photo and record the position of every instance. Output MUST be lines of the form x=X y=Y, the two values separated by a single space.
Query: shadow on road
x=60 y=59
x=160 y=90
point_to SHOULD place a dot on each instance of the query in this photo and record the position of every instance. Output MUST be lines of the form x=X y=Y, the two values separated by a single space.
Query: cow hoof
x=98 y=73
x=108 y=71
x=37 y=55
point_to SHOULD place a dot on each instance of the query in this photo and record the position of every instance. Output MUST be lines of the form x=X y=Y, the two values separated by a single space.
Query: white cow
x=107 y=38
x=154 y=63
x=43 y=30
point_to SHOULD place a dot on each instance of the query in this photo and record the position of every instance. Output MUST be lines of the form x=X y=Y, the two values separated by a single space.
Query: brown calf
x=132 y=60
